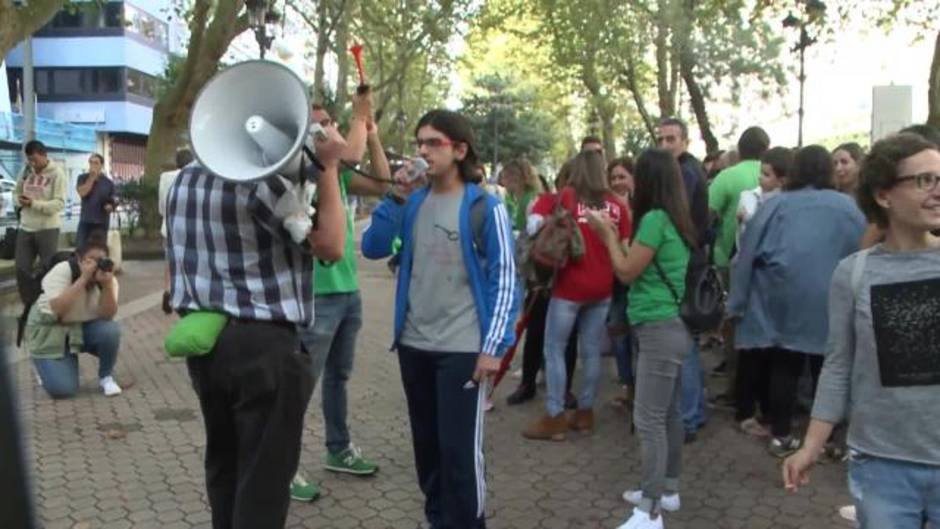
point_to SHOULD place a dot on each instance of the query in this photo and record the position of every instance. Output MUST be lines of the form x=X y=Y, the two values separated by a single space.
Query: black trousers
x=533 y=353
x=782 y=370
x=752 y=384
x=253 y=390
x=446 y=411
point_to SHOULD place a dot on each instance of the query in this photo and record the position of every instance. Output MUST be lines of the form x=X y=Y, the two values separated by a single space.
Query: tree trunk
x=323 y=46
x=697 y=99
x=21 y=22
x=933 y=91
x=663 y=70
x=637 y=93
x=208 y=42
x=607 y=129
x=341 y=46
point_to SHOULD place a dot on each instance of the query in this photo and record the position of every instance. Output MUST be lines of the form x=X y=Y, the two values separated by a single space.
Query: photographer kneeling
x=75 y=314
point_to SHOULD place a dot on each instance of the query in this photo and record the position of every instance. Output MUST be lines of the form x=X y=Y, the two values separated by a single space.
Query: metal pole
x=803 y=43
x=29 y=93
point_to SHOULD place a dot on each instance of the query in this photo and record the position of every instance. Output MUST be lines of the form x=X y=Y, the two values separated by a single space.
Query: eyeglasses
x=923 y=181
x=432 y=143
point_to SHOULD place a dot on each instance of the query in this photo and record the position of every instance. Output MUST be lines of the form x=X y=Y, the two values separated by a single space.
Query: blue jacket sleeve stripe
x=505 y=285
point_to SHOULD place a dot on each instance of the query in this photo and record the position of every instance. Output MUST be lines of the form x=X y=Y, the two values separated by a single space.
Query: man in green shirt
x=724 y=193
x=331 y=342
x=725 y=190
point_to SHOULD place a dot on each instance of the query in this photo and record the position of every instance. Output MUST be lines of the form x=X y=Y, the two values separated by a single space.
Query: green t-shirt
x=518 y=209
x=339 y=277
x=723 y=196
x=650 y=300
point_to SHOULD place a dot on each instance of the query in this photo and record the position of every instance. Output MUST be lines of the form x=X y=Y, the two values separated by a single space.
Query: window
x=68 y=82
x=87 y=15
x=141 y=84
x=144 y=24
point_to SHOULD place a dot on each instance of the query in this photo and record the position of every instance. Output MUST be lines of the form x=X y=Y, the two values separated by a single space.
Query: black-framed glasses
x=923 y=181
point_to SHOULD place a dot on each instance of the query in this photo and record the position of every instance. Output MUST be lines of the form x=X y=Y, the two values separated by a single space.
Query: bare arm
x=329 y=238
x=358 y=128
x=107 y=303
x=362 y=186
x=85 y=187
x=628 y=266
x=62 y=303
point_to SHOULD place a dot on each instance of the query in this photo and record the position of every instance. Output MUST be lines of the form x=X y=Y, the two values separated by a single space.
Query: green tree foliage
x=506 y=123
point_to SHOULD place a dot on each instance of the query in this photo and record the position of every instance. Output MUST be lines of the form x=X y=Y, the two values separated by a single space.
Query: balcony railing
x=58 y=135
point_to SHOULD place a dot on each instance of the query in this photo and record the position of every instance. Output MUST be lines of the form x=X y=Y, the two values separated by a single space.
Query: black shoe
x=690 y=437
x=167 y=309
x=522 y=394
x=571 y=403
x=720 y=370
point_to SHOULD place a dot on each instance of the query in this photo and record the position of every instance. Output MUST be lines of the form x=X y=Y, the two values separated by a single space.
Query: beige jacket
x=47 y=189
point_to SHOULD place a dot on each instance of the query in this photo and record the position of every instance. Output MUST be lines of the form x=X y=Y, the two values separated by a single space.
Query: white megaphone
x=252 y=120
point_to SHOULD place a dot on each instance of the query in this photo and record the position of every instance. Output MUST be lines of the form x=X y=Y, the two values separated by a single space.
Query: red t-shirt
x=590 y=278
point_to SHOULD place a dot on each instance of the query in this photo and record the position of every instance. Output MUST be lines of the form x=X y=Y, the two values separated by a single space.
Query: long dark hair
x=659 y=185
x=458 y=129
x=589 y=177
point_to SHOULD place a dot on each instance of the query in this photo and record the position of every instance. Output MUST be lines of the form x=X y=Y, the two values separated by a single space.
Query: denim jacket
x=780 y=281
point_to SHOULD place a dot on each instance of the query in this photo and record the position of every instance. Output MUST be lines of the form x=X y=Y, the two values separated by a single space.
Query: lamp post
x=263 y=21
x=814 y=9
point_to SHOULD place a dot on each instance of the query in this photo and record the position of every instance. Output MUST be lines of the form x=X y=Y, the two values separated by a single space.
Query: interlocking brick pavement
x=135 y=461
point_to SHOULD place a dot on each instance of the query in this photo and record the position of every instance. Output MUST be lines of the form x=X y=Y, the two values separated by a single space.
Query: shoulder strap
x=858 y=270
x=669 y=285
x=477 y=219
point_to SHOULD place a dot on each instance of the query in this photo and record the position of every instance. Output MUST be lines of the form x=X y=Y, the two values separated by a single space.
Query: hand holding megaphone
x=328 y=144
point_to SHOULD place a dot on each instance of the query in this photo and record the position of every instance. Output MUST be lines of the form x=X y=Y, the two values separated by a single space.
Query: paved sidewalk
x=135 y=461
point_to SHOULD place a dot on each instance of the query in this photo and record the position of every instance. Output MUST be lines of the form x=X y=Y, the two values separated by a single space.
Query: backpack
x=556 y=242
x=702 y=308
x=35 y=289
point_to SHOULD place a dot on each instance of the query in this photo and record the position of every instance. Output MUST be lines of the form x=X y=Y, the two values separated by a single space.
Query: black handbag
x=703 y=307
x=8 y=244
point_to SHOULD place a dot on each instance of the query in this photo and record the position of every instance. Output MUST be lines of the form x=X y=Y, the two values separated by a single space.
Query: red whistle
x=356 y=51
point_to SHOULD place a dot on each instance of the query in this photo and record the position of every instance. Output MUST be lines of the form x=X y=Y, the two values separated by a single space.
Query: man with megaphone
x=241 y=252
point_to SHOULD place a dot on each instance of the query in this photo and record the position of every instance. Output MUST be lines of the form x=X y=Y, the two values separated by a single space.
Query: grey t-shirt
x=442 y=315
x=882 y=366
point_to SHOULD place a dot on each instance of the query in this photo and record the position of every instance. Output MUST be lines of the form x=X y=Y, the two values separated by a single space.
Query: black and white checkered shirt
x=229 y=252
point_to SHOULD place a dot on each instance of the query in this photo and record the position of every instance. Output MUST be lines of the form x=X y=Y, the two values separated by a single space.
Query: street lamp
x=814 y=9
x=263 y=22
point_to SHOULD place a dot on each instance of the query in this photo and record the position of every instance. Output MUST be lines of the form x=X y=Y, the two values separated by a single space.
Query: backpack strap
x=477 y=219
x=669 y=285
x=858 y=270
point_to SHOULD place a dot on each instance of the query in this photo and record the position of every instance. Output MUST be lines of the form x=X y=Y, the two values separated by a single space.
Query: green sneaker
x=303 y=490
x=350 y=461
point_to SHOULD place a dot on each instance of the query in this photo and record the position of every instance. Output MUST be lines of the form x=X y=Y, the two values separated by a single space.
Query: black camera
x=105 y=264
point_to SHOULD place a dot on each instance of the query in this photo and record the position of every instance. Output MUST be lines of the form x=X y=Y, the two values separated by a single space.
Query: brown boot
x=547 y=429
x=582 y=421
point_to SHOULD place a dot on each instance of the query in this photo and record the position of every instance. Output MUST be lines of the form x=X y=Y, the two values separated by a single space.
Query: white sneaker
x=848 y=513
x=642 y=520
x=517 y=374
x=109 y=386
x=669 y=502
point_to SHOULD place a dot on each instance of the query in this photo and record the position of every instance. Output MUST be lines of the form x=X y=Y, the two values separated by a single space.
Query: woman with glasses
x=780 y=281
x=882 y=369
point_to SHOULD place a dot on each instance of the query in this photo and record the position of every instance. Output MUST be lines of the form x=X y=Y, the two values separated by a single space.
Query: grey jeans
x=662 y=347
x=331 y=343
x=29 y=246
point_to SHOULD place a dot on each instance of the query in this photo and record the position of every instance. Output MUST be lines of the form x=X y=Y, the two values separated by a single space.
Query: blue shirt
x=781 y=276
x=102 y=192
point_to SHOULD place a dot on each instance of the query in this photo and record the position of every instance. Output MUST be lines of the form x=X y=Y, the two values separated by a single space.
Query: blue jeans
x=331 y=343
x=591 y=319
x=60 y=376
x=693 y=391
x=894 y=494
x=623 y=354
